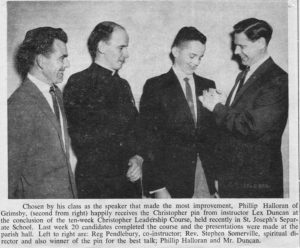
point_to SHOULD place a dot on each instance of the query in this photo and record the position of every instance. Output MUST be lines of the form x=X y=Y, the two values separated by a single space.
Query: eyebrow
x=196 y=55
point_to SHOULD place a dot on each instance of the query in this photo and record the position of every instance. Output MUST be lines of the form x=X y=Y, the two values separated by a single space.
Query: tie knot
x=247 y=69
x=186 y=79
x=53 y=88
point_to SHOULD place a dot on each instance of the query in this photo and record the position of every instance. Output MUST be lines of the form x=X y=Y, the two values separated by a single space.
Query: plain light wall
x=152 y=26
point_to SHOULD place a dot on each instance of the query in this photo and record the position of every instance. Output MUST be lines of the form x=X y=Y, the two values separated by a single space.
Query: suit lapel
x=253 y=78
x=178 y=95
x=232 y=90
x=199 y=89
x=202 y=112
x=41 y=102
x=43 y=105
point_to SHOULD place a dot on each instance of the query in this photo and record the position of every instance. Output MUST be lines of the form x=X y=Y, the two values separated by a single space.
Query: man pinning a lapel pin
x=252 y=119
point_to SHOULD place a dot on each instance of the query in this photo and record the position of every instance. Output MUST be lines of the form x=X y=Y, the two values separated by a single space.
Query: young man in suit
x=102 y=119
x=38 y=142
x=252 y=119
x=176 y=129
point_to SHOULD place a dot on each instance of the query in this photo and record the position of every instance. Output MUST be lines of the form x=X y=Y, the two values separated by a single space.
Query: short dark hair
x=103 y=32
x=187 y=34
x=254 y=29
x=37 y=41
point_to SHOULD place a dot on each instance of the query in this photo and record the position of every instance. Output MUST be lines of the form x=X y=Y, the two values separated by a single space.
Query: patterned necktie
x=55 y=102
x=189 y=98
x=242 y=80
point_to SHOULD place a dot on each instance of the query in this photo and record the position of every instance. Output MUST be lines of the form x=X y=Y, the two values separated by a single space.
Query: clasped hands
x=134 y=172
x=211 y=98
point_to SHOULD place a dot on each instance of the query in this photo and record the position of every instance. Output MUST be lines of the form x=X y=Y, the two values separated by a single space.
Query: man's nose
x=237 y=50
x=66 y=63
x=197 y=61
x=125 y=53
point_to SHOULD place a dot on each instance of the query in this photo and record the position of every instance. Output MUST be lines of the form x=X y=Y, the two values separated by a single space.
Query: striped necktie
x=55 y=102
x=242 y=80
x=189 y=98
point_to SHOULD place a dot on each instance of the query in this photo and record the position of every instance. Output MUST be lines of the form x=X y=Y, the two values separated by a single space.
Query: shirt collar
x=42 y=86
x=180 y=74
x=259 y=62
x=112 y=72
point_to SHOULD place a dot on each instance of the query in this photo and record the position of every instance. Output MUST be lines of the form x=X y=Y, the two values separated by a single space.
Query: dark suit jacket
x=171 y=139
x=102 y=118
x=249 y=149
x=38 y=166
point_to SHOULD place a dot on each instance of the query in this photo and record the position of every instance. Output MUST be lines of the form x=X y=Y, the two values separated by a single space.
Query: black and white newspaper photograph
x=143 y=123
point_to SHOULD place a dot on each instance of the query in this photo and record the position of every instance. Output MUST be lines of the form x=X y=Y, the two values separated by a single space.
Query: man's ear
x=101 y=48
x=40 y=61
x=175 y=51
x=261 y=42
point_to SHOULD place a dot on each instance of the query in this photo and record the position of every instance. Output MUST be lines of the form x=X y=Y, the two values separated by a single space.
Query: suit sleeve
x=18 y=145
x=151 y=121
x=270 y=106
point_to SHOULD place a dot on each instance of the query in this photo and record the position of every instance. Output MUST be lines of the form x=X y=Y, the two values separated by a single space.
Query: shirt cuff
x=157 y=190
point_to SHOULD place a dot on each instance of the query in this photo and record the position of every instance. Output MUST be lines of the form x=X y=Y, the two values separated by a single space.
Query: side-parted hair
x=37 y=41
x=187 y=34
x=254 y=29
x=102 y=32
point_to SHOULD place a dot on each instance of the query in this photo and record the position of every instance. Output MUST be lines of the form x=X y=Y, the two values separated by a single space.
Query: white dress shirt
x=181 y=76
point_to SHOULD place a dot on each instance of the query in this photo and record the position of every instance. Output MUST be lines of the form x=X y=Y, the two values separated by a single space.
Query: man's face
x=188 y=56
x=115 y=50
x=56 y=62
x=249 y=51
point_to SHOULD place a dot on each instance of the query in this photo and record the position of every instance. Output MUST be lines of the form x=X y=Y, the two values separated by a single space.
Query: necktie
x=55 y=102
x=242 y=80
x=189 y=98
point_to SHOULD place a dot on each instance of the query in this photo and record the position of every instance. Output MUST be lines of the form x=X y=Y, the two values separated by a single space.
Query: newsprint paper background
x=152 y=26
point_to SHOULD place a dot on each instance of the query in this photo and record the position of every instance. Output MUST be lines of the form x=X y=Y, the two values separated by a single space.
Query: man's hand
x=211 y=98
x=134 y=172
x=162 y=194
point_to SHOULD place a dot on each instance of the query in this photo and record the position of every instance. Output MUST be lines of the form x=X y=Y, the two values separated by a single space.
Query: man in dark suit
x=176 y=129
x=38 y=142
x=102 y=119
x=252 y=119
